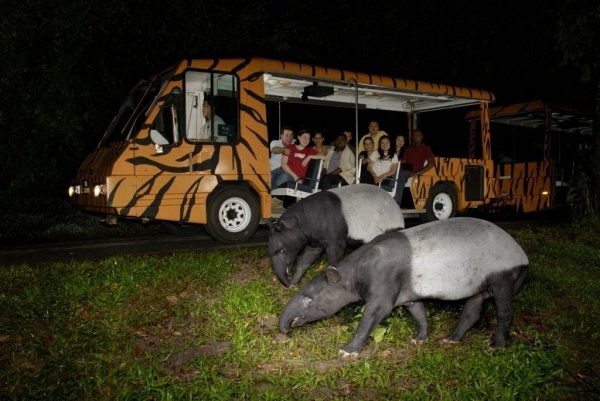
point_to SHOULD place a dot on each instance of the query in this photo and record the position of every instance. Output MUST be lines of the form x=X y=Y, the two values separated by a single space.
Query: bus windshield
x=133 y=111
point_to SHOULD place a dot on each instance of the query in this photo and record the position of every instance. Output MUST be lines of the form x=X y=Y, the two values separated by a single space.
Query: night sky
x=67 y=65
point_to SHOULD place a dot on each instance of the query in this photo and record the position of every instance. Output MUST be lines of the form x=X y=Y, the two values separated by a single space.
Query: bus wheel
x=232 y=215
x=441 y=203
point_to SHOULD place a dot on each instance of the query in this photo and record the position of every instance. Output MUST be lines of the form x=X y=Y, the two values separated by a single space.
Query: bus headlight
x=74 y=190
x=98 y=190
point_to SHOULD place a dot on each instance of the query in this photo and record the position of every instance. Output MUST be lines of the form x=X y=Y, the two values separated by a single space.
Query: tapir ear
x=333 y=275
x=282 y=225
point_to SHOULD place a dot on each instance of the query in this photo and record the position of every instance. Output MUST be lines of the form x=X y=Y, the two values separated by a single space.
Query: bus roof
x=297 y=82
x=565 y=118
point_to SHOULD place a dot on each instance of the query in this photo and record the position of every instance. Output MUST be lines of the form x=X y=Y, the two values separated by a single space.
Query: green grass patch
x=204 y=326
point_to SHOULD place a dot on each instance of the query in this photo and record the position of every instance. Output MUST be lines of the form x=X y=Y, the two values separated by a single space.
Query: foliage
x=578 y=33
x=204 y=326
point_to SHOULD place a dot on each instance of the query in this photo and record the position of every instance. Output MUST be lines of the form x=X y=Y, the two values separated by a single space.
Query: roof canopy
x=563 y=118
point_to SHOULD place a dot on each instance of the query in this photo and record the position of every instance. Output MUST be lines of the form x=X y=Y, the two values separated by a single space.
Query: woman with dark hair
x=383 y=163
x=364 y=157
x=400 y=146
x=319 y=138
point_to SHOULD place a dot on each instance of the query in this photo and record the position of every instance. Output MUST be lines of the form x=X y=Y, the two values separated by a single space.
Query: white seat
x=308 y=186
x=390 y=185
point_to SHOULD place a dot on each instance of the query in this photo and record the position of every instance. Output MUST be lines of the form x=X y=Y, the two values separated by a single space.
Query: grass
x=204 y=326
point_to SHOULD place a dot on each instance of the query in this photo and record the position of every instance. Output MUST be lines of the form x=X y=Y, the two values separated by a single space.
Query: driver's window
x=211 y=107
x=165 y=128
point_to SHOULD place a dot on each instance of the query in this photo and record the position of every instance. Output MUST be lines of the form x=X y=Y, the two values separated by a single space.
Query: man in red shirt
x=417 y=154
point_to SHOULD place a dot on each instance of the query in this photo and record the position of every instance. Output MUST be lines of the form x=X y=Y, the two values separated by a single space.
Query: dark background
x=67 y=65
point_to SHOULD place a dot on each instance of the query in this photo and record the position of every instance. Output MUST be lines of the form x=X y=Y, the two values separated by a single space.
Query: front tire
x=441 y=204
x=232 y=215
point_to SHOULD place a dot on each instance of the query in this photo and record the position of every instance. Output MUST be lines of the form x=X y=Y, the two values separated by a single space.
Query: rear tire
x=441 y=204
x=232 y=214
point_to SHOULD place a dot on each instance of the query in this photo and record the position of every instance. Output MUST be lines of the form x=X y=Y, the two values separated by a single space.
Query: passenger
x=383 y=163
x=212 y=121
x=294 y=161
x=286 y=137
x=374 y=133
x=399 y=150
x=318 y=139
x=364 y=157
x=417 y=154
x=339 y=165
x=350 y=141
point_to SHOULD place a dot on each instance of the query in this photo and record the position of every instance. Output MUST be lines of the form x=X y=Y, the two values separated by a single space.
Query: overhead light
x=315 y=90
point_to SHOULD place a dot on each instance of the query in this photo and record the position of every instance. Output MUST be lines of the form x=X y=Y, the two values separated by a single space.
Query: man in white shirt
x=286 y=137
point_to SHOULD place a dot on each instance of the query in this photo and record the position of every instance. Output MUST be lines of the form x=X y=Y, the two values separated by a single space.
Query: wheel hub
x=235 y=214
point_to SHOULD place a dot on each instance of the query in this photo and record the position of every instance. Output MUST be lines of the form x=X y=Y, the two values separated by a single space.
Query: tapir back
x=452 y=259
x=369 y=211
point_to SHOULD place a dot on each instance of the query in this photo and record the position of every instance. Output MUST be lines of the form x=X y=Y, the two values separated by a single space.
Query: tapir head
x=321 y=297
x=286 y=240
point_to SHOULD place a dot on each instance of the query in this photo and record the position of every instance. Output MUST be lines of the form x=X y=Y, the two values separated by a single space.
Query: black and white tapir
x=456 y=259
x=329 y=221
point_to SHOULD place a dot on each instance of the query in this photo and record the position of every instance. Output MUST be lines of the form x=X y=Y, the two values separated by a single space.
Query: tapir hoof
x=449 y=340
x=417 y=341
x=346 y=354
x=494 y=344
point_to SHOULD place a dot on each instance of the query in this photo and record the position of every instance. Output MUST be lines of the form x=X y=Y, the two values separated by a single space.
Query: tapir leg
x=309 y=256
x=504 y=288
x=417 y=311
x=503 y=299
x=335 y=251
x=375 y=311
x=470 y=315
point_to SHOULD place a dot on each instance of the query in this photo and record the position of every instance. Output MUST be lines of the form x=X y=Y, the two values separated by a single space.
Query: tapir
x=456 y=259
x=330 y=221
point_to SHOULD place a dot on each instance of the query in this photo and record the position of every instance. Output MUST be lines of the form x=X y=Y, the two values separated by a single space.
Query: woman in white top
x=383 y=163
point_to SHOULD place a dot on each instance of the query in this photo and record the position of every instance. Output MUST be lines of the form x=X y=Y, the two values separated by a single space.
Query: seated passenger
x=277 y=147
x=318 y=139
x=294 y=161
x=383 y=162
x=383 y=165
x=399 y=150
x=374 y=133
x=417 y=154
x=364 y=157
x=418 y=157
x=339 y=165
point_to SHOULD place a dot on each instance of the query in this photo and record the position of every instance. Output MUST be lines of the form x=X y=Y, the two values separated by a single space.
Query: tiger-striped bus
x=190 y=145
